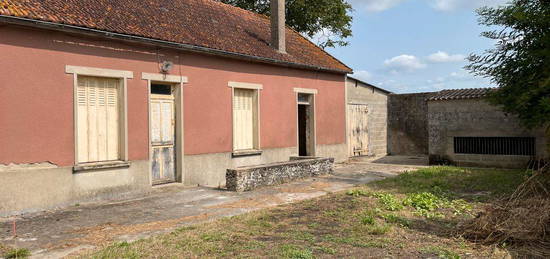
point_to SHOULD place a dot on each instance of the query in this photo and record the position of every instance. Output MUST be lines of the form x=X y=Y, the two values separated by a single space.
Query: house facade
x=117 y=99
x=367 y=117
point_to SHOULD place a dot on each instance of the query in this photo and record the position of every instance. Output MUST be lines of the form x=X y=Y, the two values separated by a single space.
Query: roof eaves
x=460 y=94
x=376 y=87
x=182 y=46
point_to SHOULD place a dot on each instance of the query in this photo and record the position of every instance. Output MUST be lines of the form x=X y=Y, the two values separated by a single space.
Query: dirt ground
x=54 y=234
x=418 y=214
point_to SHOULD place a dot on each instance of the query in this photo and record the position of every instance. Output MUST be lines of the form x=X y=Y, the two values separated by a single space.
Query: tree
x=330 y=20
x=520 y=62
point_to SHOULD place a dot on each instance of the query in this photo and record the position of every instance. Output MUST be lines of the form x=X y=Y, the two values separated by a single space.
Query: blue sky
x=415 y=45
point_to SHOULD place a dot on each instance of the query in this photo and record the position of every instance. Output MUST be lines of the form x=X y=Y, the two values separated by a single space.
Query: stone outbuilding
x=465 y=130
x=367 y=113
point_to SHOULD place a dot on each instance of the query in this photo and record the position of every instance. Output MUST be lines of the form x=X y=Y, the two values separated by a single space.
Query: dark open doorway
x=306 y=137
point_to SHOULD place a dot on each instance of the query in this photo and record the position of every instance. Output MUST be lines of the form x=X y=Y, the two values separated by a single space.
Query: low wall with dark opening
x=472 y=132
x=249 y=178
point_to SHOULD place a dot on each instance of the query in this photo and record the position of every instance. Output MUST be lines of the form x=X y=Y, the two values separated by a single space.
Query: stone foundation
x=249 y=178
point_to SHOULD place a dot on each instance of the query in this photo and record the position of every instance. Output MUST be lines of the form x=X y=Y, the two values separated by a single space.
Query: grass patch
x=411 y=213
x=295 y=252
x=379 y=229
x=456 y=182
x=441 y=252
x=327 y=250
x=300 y=235
x=17 y=253
x=394 y=219
x=357 y=192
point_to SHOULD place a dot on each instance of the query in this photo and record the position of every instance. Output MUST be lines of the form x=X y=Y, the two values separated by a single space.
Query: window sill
x=242 y=153
x=100 y=166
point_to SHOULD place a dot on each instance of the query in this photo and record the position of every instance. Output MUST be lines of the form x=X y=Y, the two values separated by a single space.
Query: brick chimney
x=278 y=37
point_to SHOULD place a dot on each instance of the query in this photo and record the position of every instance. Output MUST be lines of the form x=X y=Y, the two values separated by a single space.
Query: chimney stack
x=278 y=27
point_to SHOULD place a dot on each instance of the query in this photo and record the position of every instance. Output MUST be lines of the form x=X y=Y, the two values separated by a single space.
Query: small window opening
x=161 y=89
x=303 y=98
x=517 y=146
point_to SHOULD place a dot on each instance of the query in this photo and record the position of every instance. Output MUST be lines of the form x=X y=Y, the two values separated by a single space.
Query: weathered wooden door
x=163 y=138
x=358 y=129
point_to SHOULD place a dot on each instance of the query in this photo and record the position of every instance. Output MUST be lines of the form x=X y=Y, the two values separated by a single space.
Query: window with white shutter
x=245 y=119
x=98 y=122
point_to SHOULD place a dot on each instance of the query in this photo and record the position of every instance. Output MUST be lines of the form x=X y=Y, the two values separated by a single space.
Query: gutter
x=155 y=42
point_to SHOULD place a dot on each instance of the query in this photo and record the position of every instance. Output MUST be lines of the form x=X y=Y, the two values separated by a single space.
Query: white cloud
x=395 y=86
x=375 y=5
x=363 y=75
x=440 y=5
x=441 y=57
x=451 y=5
x=460 y=79
x=404 y=63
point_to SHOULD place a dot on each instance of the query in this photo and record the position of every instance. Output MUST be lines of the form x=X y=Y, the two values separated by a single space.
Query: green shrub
x=389 y=201
x=425 y=204
x=422 y=201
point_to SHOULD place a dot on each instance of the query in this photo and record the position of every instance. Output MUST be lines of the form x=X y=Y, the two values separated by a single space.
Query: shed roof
x=208 y=24
x=456 y=94
x=370 y=85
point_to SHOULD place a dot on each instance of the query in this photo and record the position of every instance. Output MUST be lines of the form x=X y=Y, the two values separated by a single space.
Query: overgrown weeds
x=520 y=222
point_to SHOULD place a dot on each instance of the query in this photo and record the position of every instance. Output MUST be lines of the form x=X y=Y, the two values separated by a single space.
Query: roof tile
x=204 y=23
x=456 y=94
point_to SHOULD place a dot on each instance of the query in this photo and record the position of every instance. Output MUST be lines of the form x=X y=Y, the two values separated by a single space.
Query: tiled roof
x=203 y=23
x=455 y=94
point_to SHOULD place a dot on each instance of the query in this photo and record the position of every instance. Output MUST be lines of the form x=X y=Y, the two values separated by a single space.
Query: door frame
x=313 y=104
x=177 y=82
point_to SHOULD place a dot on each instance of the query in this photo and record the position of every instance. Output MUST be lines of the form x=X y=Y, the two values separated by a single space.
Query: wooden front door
x=358 y=129
x=163 y=136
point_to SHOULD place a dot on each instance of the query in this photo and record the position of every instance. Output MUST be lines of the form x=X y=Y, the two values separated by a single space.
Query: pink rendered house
x=102 y=98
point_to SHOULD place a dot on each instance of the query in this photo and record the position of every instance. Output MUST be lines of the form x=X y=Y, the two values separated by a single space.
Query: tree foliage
x=520 y=62
x=328 y=20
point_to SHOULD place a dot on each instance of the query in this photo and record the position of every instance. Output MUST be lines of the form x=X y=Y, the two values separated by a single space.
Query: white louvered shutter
x=98 y=119
x=243 y=119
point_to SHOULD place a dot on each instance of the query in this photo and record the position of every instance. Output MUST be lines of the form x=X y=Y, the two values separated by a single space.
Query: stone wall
x=408 y=124
x=377 y=104
x=249 y=178
x=475 y=118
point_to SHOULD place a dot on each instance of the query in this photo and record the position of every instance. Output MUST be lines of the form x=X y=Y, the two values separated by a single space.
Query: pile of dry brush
x=521 y=221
